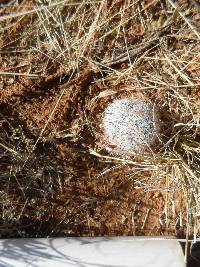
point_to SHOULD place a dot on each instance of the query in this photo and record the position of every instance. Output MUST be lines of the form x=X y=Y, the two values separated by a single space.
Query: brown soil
x=65 y=190
x=51 y=184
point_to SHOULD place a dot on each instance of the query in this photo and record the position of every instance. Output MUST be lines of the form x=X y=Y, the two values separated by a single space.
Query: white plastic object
x=90 y=252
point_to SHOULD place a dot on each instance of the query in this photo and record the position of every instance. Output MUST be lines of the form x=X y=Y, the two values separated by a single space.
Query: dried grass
x=153 y=46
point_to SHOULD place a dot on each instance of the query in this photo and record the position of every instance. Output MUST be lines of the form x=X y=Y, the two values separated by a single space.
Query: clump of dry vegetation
x=59 y=61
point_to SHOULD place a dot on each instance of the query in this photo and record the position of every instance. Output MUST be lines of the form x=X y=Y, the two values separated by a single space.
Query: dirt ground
x=54 y=178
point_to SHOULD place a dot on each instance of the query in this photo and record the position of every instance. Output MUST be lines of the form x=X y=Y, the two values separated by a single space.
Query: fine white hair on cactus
x=130 y=125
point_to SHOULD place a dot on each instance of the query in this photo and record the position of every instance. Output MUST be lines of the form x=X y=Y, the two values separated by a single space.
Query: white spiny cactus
x=130 y=125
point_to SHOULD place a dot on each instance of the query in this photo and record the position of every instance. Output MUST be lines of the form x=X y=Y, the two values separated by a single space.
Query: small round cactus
x=131 y=125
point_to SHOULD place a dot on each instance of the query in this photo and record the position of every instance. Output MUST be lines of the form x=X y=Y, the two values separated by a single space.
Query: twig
x=133 y=220
x=138 y=49
x=185 y=19
x=15 y=15
x=20 y=74
x=146 y=217
x=9 y=149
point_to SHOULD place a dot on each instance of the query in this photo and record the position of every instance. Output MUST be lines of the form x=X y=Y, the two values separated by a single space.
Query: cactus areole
x=130 y=125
